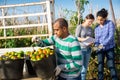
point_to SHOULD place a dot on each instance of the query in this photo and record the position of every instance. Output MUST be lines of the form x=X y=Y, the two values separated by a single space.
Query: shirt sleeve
x=111 y=33
x=96 y=32
x=47 y=42
x=77 y=31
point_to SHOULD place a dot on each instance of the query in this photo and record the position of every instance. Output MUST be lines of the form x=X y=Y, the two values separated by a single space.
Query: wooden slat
x=23 y=15
x=24 y=26
x=48 y=23
x=24 y=36
x=26 y=4
x=49 y=16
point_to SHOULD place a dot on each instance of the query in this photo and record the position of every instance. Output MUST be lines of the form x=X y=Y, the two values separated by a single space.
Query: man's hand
x=57 y=71
x=35 y=39
x=38 y=41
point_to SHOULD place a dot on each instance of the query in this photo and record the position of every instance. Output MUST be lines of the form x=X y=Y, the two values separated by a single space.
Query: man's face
x=58 y=31
x=100 y=20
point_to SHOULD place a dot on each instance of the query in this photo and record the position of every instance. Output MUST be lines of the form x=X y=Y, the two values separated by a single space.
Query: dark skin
x=61 y=32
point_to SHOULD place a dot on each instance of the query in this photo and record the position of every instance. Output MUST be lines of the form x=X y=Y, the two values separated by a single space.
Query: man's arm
x=49 y=41
x=45 y=42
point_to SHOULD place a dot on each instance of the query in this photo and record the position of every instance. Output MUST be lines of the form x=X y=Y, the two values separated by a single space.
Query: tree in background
x=113 y=18
x=75 y=17
x=80 y=8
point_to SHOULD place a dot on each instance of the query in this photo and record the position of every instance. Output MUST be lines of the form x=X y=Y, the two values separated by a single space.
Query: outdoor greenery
x=74 y=20
x=93 y=64
x=92 y=69
x=19 y=42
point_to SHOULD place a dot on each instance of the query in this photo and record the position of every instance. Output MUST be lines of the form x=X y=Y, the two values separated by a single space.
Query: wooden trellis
x=46 y=21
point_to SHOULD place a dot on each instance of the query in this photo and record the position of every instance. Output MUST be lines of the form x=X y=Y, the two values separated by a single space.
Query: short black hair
x=62 y=22
x=102 y=13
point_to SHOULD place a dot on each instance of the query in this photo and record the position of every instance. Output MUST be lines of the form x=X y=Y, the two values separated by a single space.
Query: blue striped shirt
x=105 y=35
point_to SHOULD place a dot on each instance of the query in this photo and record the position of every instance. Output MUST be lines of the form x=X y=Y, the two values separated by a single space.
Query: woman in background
x=83 y=32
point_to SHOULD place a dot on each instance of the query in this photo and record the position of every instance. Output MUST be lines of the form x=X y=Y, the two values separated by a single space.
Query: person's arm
x=111 y=33
x=77 y=33
x=49 y=41
x=46 y=42
x=82 y=39
x=76 y=58
x=96 y=32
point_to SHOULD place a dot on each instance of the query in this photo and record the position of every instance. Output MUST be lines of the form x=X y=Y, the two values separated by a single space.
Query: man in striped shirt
x=68 y=51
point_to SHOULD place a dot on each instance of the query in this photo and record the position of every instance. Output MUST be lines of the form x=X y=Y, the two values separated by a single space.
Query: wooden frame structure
x=48 y=13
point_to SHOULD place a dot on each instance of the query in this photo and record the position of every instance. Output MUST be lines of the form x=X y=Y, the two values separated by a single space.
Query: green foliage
x=80 y=4
x=73 y=15
x=117 y=36
x=23 y=42
x=19 y=42
x=74 y=19
x=93 y=64
x=72 y=30
x=1 y=32
x=92 y=72
x=9 y=32
x=80 y=8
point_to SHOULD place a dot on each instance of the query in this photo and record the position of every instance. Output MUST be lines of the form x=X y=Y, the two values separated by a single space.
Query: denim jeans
x=86 y=52
x=109 y=54
x=77 y=78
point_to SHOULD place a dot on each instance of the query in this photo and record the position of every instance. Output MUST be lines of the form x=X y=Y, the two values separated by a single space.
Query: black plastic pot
x=45 y=68
x=30 y=69
x=11 y=69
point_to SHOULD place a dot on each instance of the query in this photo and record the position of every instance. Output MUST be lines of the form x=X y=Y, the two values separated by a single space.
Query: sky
x=95 y=4
x=70 y=5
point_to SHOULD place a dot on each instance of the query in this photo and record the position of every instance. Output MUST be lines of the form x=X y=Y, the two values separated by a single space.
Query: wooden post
x=113 y=18
x=3 y=21
x=49 y=18
x=52 y=10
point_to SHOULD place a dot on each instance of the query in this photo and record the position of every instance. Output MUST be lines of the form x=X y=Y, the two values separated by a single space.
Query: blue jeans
x=109 y=54
x=86 y=52
x=77 y=78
